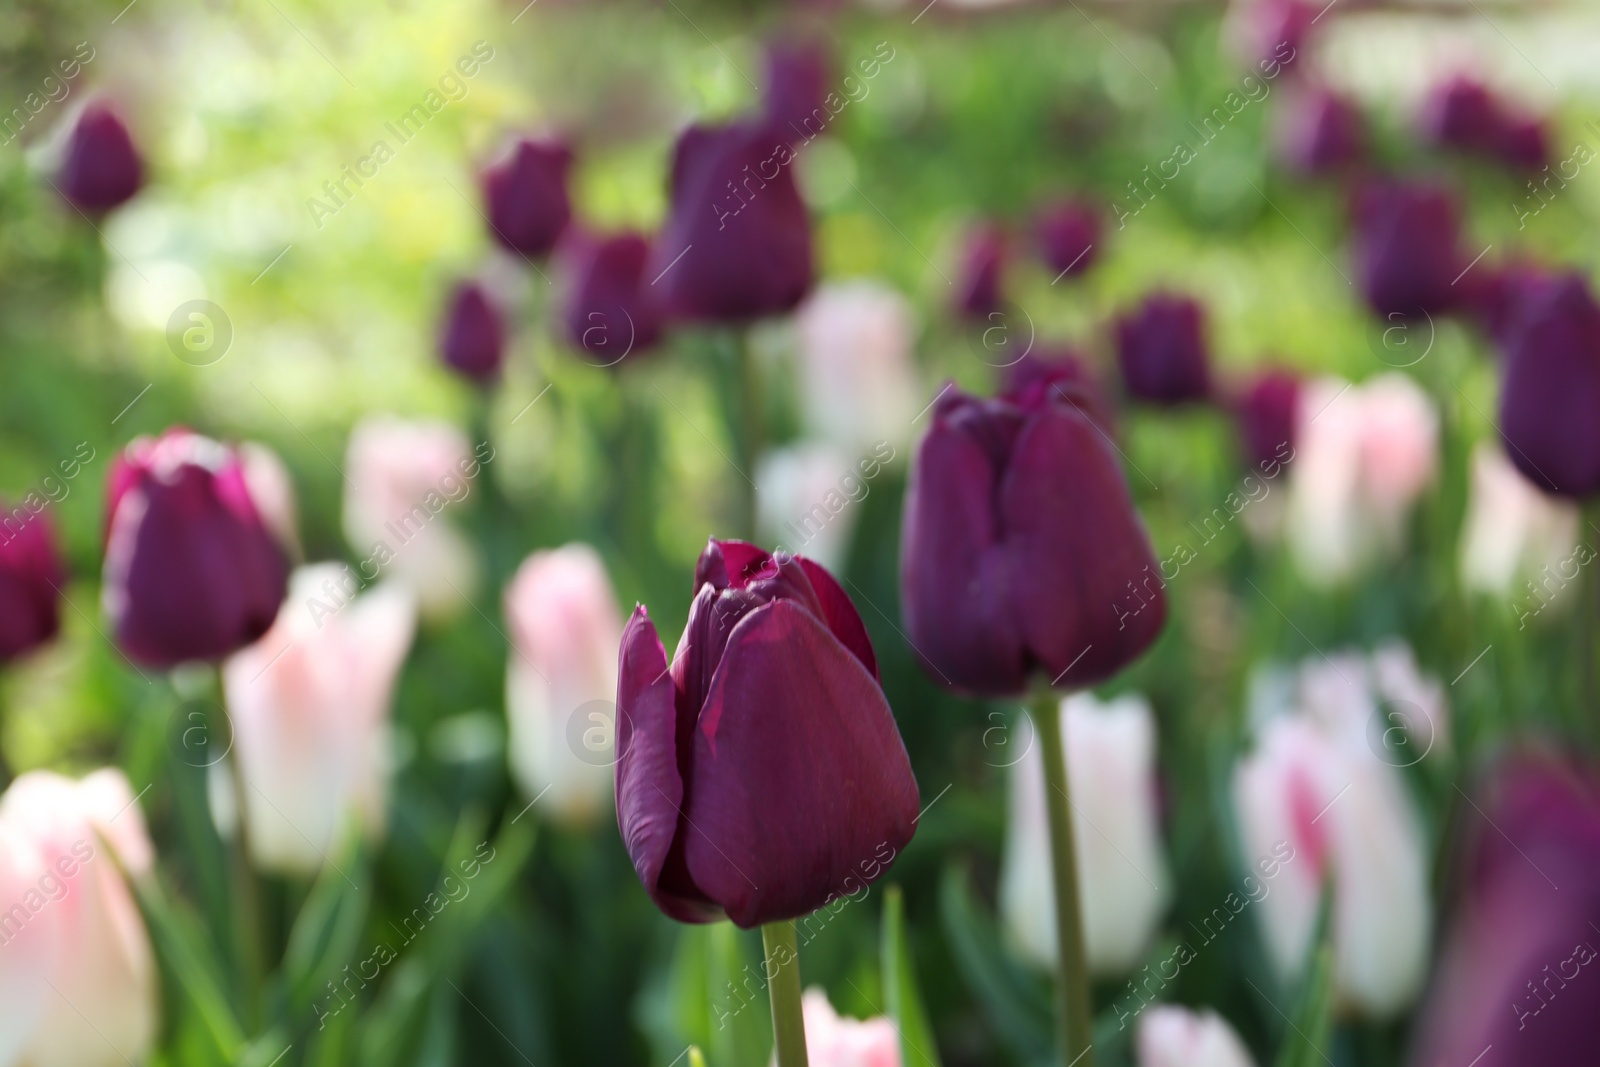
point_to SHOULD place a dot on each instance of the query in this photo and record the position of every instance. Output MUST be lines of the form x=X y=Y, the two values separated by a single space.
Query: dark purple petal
x=798 y=76
x=1267 y=412
x=1551 y=388
x=1069 y=237
x=31 y=579
x=473 y=339
x=102 y=169
x=801 y=785
x=525 y=193
x=1161 y=349
x=978 y=281
x=1407 y=247
x=1059 y=377
x=839 y=614
x=611 y=310
x=1319 y=132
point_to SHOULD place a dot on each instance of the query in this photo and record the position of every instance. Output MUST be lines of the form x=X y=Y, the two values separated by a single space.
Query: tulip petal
x=840 y=614
x=768 y=836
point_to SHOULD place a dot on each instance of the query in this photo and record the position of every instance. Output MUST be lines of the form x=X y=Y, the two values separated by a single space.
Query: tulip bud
x=1512 y=530
x=1068 y=234
x=1161 y=348
x=525 y=193
x=1551 y=388
x=31 y=579
x=611 y=310
x=1268 y=414
x=1465 y=115
x=737 y=242
x=793 y=103
x=102 y=168
x=96 y=969
x=473 y=340
x=1177 y=1037
x=191 y=571
x=1123 y=884
x=309 y=704
x=402 y=478
x=1407 y=247
x=1512 y=985
x=833 y=1040
x=1320 y=132
x=772 y=694
x=1317 y=805
x=565 y=632
x=1021 y=551
x=978 y=281
x=858 y=378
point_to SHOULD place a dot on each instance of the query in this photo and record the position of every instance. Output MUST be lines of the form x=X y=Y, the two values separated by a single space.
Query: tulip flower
x=401 y=478
x=793 y=100
x=1123 y=882
x=858 y=379
x=473 y=339
x=1273 y=33
x=978 y=282
x=1041 y=372
x=761 y=775
x=1320 y=132
x=1513 y=529
x=610 y=309
x=737 y=242
x=76 y=926
x=1068 y=233
x=309 y=704
x=1365 y=454
x=561 y=678
x=31 y=579
x=1176 y=1037
x=1161 y=348
x=1462 y=113
x=101 y=169
x=1497 y=297
x=191 y=570
x=1512 y=985
x=1551 y=388
x=1407 y=248
x=832 y=1040
x=1267 y=411
x=1318 y=804
x=1021 y=552
x=525 y=195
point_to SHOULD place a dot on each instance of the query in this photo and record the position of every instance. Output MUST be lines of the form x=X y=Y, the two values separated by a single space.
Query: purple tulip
x=1494 y=294
x=1523 y=144
x=793 y=104
x=1551 y=387
x=525 y=192
x=1267 y=411
x=762 y=774
x=473 y=341
x=611 y=309
x=1407 y=247
x=191 y=571
x=1161 y=348
x=1465 y=115
x=102 y=168
x=979 y=293
x=1021 y=551
x=1276 y=31
x=31 y=577
x=1068 y=234
x=1512 y=986
x=1031 y=380
x=737 y=242
x=1320 y=132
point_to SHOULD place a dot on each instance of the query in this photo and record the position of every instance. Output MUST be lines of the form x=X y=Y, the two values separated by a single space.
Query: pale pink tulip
x=272 y=492
x=858 y=381
x=1513 y=530
x=561 y=680
x=309 y=704
x=1123 y=882
x=833 y=1040
x=1176 y=1037
x=1323 y=789
x=92 y=999
x=808 y=502
x=402 y=481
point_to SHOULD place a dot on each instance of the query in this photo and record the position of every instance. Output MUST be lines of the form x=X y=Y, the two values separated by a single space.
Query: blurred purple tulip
x=1407 y=247
x=525 y=192
x=1021 y=551
x=1550 y=391
x=1068 y=233
x=1320 y=132
x=797 y=79
x=31 y=577
x=1274 y=32
x=1510 y=988
x=191 y=571
x=611 y=311
x=1161 y=349
x=762 y=774
x=473 y=341
x=1064 y=372
x=737 y=241
x=102 y=168
x=978 y=283
x=1464 y=114
x=1494 y=294
x=1267 y=412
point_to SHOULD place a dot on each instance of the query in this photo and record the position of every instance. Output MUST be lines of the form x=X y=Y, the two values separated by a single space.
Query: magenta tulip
x=473 y=340
x=31 y=578
x=611 y=310
x=1161 y=348
x=525 y=193
x=1068 y=234
x=761 y=774
x=1267 y=411
x=1465 y=115
x=102 y=168
x=1320 y=132
x=1551 y=387
x=1021 y=552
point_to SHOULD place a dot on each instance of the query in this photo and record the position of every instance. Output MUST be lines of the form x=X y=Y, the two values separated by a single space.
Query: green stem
x=783 y=989
x=1072 y=985
x=249 y=928
x=742 y=403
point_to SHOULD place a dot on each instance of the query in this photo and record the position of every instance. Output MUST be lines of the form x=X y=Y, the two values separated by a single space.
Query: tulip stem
x=1072 y=985
x=783 y=989
x=743 y=404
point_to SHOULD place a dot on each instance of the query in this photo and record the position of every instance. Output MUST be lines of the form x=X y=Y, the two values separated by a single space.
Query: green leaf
x=1017 y=1005
x=327 y=931
x=1311 y=1025
x=696 y=1057
x=900 y=987
x=191 y=964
